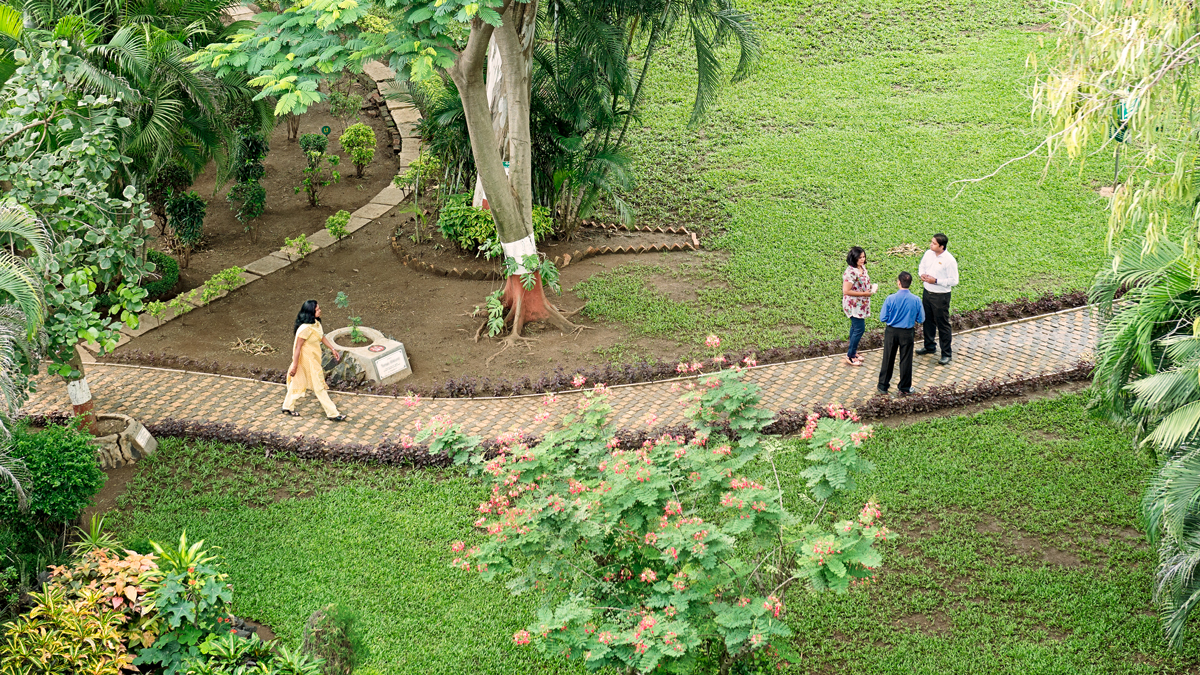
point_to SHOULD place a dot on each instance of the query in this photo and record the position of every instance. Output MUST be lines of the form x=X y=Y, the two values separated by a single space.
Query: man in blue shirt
x=901 y=311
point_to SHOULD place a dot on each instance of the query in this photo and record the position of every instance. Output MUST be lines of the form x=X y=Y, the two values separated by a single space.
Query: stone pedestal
x=384 y=361
x=125 y=447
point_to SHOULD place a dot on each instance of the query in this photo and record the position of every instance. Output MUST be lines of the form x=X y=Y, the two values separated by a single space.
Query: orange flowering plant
x=649 y=557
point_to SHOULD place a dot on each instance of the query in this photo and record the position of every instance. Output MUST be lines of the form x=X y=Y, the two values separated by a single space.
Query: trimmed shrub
x=359 y=141
x=336 y=224
x=64 y=475
x=313 y=143
x=167 y=268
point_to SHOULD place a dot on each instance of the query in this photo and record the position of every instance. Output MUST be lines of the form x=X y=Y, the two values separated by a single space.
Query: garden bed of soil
x=226 y=243
x=436 y=250
x=431 y=315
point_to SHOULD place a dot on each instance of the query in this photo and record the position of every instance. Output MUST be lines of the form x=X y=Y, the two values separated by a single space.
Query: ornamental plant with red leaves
x=657 y=558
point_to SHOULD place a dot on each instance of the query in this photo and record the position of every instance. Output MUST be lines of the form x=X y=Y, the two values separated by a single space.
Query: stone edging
x=560 y=261
x=387 y=199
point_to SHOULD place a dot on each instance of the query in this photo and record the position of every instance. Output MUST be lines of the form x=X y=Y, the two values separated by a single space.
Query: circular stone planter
x=383 y=360
x=126 y=446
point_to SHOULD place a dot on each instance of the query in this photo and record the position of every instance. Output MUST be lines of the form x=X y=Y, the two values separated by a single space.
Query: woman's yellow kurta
x=309 y=374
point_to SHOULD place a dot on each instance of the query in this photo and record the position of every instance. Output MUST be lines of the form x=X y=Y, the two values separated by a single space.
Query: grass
x=1016 y=552
x=851 y=131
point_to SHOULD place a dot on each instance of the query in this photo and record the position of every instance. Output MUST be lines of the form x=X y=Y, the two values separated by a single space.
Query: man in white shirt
x=939 y=271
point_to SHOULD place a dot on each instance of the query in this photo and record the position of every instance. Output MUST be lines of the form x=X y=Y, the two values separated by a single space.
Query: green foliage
x=345 y=106
x=231 y=655
x=61 y=635
x=298 y=245
x=193 y=599
x=251 y=200
x=332 y=635
x=98 y=233
x=63 y=475
x=645 y=558
x=315 y=178
x=343 y=302
x=213 y=287
x=359 y=141
x=168 y=180
x=336 y=224
x=187 y=211
x=167 y=270
x=473 y=228
x=495 y=310
x=421 y=172
x=252 y=149
x=539 y=265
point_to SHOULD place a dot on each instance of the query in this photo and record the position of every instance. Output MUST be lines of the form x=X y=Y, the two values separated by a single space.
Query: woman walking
x=305 y=372
x=857 y=290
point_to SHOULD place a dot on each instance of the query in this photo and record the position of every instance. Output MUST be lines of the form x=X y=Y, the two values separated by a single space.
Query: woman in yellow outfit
x=306 y=371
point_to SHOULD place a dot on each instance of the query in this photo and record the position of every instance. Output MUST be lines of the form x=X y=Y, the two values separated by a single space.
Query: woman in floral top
x=857 y=290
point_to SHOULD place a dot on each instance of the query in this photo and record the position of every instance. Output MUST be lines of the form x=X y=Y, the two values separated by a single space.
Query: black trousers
x=897 y=340
x=937 y=320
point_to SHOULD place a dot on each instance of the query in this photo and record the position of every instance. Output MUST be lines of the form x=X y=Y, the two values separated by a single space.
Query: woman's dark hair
x=308 y=314
x=855 y=253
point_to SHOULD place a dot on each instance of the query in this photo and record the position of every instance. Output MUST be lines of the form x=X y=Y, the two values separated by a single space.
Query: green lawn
x=1017 y=553
x=860 y=116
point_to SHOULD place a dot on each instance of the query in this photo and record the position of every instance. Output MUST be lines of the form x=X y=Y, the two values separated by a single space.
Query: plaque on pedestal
x=383 y=360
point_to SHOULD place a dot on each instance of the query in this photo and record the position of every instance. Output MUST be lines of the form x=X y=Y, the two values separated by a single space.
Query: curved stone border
x=560 y=261
x=387 y=199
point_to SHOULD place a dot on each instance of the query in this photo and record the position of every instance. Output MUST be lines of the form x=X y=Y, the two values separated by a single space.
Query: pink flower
x=521 y=637
x=542 y=416
x=718 y=360
x=650 y=538
x=410 y=399
x=774 y=606
x=695 y=366
x=648 y=576
x=712 y=342
x=647 y=621
x=457 y=546
x=605 y=637
x=651 y=420
x=406 y=441
x=673 y=508
x=750 y=362
x=578 y=381
x=549 y=399
x=681 y=368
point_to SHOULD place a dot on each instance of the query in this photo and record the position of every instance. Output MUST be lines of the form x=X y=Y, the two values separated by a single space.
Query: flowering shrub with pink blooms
x=674 y=555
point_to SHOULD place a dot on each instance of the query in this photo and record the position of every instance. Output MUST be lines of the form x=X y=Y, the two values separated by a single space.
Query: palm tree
x=22 y=312
x=1171 y=510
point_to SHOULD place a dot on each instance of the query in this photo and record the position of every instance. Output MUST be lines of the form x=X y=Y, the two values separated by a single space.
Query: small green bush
x=359 y=141
x=331 y=636
x=471 y=228
x=422 y=171
x=167 y=269
x=187 y=212
x=336 y=224
x=314 y=143
x=64 y=475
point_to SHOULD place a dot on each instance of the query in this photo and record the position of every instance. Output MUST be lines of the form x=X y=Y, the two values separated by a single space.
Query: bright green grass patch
x=851 y=131
x=1016 y=552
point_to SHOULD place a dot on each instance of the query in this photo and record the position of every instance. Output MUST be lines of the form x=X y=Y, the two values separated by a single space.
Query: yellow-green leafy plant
x=298 y=245
x=359 y=141
x=122 y=579
x=65 y=634
x=336 y=224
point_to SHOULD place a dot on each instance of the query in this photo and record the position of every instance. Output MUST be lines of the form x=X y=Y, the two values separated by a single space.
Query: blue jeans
x=857 y=328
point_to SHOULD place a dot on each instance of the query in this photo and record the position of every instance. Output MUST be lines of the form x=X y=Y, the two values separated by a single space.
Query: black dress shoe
x=944 y=360
x=881 y=392
x=923 y=351
x=910 y=392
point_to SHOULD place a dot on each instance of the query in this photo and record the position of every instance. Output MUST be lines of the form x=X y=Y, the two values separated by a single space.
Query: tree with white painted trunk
x=291 y=52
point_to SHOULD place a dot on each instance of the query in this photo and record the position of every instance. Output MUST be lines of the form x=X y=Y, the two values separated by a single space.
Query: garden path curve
x=1039 y=345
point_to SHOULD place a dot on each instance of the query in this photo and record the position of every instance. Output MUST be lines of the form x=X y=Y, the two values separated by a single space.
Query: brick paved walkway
x=1044 y=344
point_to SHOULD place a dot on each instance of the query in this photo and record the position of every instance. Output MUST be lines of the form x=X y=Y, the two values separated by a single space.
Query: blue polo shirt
x=902 y=310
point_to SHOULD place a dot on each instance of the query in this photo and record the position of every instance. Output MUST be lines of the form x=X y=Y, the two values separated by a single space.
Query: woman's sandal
x=339 y=418
x=290 y=413
x=851 y=362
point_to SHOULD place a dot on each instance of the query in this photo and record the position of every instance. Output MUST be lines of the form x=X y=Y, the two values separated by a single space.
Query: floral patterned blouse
x=857 y=307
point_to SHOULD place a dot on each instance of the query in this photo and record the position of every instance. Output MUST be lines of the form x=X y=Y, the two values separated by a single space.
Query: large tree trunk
x=497 y=114
x=80 y=395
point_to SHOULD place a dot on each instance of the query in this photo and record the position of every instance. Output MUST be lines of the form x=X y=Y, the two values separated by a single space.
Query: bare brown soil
x=227 y=244
x=435 y=317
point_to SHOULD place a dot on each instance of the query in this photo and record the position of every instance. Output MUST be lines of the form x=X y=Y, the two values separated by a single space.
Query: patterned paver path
x=1049 y=343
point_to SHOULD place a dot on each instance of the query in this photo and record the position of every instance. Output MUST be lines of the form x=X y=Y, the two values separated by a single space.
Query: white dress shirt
x=942 y=267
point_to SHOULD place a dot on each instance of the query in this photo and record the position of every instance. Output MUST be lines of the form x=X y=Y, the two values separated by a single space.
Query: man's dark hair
x=941 y=239
x=905 y=279
x=852 y=257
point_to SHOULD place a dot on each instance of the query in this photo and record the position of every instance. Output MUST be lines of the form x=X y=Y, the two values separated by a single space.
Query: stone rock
x=348 y=371
x=125 y=447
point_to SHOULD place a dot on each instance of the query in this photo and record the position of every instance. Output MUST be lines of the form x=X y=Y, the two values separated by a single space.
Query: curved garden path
x=1039 y=345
